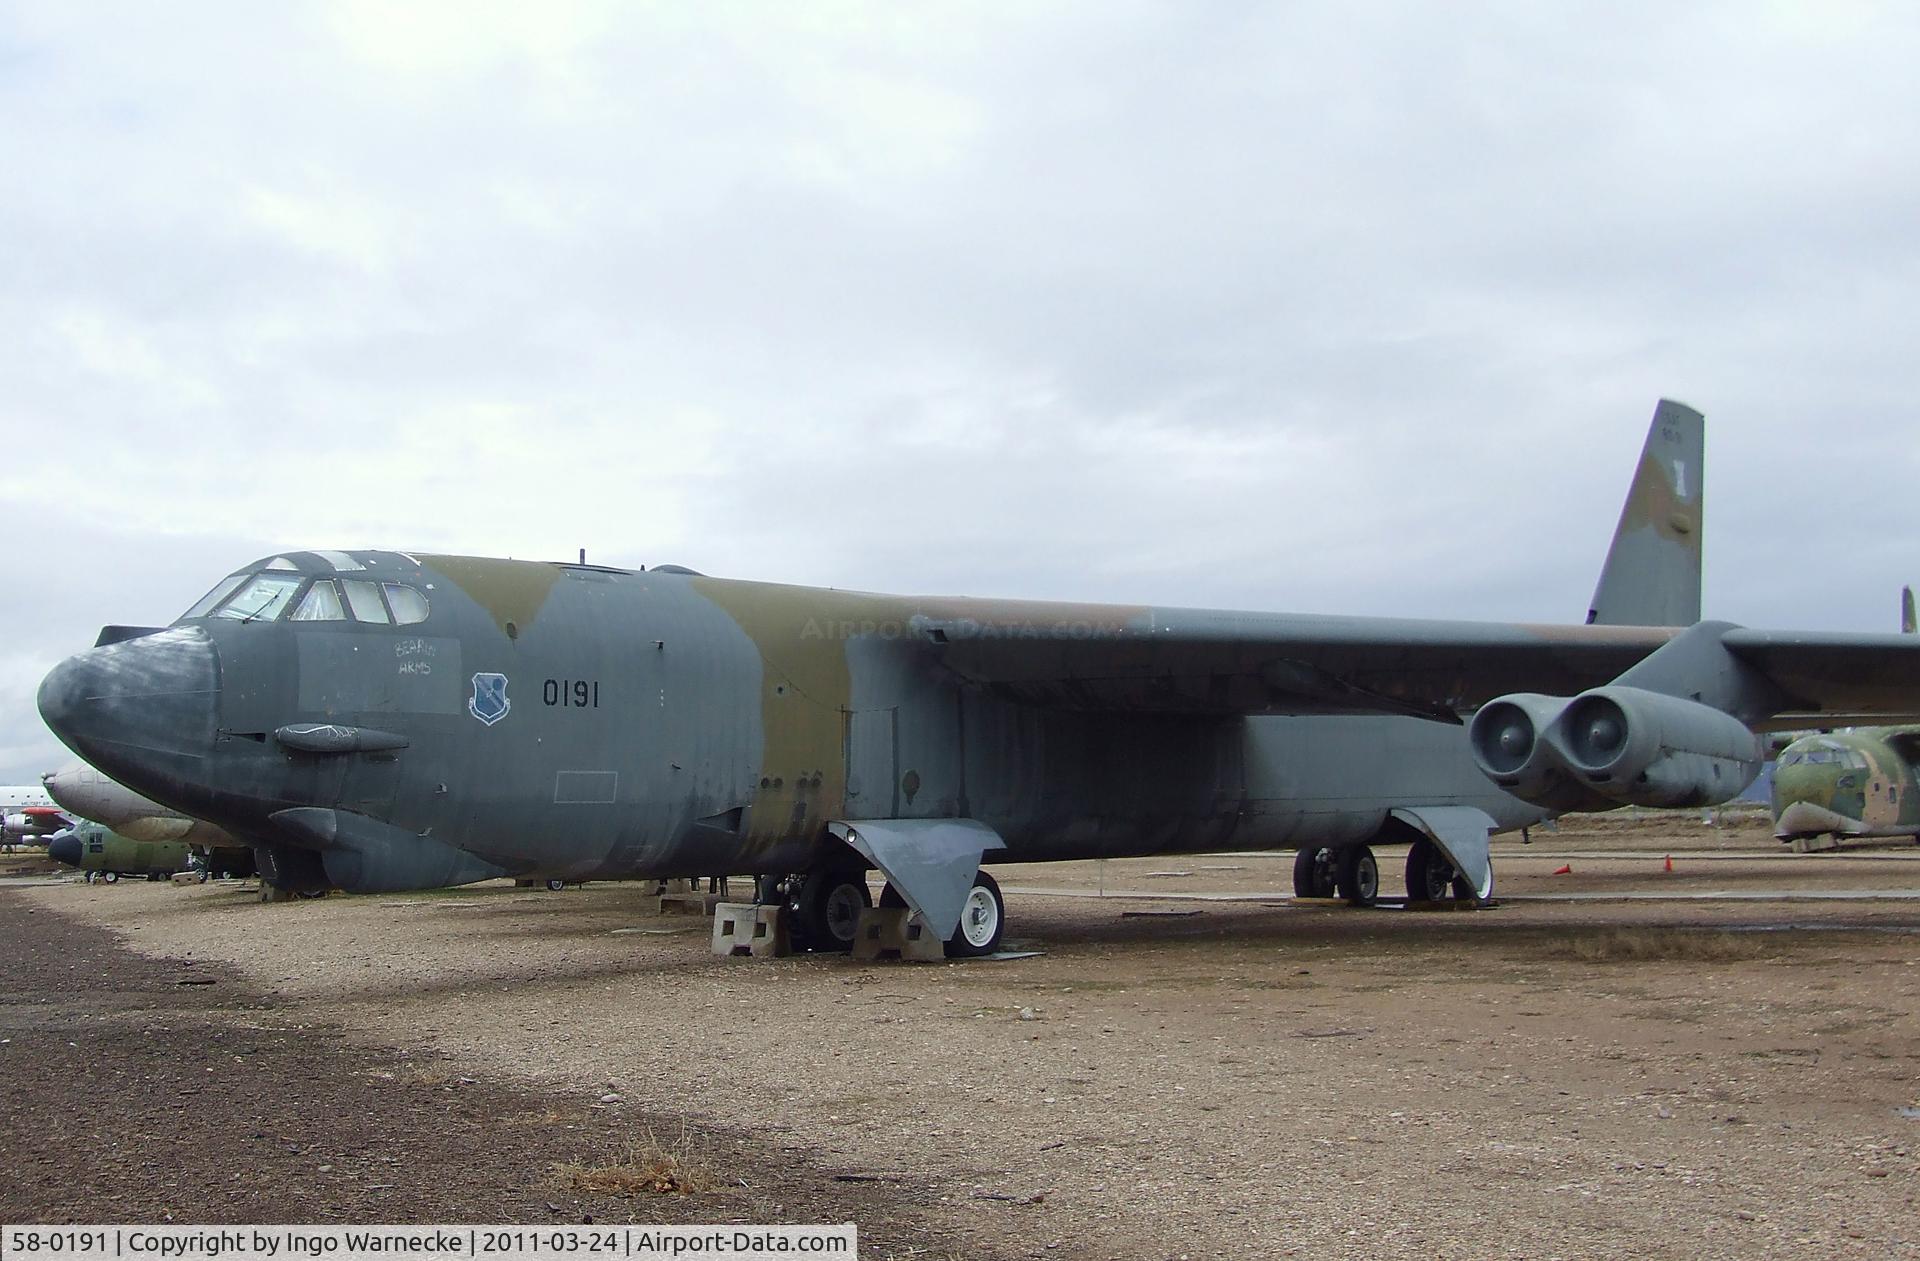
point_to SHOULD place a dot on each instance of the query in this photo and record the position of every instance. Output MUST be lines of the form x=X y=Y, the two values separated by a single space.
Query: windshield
x=322 y=604
x=213 y=597
x=262 y=598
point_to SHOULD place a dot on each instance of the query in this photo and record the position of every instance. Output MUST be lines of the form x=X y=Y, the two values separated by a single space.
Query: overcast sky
x=1329 y=308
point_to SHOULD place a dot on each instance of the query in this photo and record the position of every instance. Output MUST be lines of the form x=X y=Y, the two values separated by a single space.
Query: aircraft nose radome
x=129 y=705
x=65 y=849
x=68 y=786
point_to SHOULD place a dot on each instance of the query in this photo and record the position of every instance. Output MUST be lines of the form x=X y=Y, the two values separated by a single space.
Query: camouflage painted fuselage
x=93 y=847
x=573 y=721
x=1849 y=783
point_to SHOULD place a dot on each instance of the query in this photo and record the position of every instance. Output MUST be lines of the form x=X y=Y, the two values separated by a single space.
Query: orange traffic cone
x=1669 y=864
x=1565 y=871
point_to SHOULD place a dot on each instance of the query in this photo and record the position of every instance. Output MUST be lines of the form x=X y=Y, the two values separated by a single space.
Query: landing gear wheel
x=1431 y=876
x=1359 y=875
x=1315 y=872
x=828 y=904
x=111 y=877
x=983 y=918
x=555 y=886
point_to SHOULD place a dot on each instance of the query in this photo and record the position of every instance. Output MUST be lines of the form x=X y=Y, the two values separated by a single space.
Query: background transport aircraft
x=27 y=813
x=382 y=720
x=99 y=851
x=85 y=793
x=1851 y=784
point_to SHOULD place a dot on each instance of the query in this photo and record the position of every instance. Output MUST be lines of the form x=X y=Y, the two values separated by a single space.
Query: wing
x=1202 y=661
x=1836 y=680
x=43 y=820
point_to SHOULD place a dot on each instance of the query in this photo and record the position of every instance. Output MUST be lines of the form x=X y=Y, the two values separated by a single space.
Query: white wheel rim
x=979 y=917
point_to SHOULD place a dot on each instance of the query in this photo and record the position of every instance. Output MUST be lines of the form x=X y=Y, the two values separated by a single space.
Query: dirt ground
x=1721 y=1060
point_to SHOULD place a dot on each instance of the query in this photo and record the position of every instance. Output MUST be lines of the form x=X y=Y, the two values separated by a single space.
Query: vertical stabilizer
x=1652 y=572
x=1907 y=622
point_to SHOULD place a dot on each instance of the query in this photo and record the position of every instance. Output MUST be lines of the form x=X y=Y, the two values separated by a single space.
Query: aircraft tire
x=1431 y=877
x=111 y=877
x=1315 y=872
x=555 y=886
x=1359 y=881
x=828 y=905
x=983 y=920
x=1429 y=874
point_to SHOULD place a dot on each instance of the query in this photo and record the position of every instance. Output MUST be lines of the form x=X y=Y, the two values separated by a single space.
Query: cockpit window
x=320 y=604
x=262 y=598
x=213 y=597
x=408 y=604
x=364 y=599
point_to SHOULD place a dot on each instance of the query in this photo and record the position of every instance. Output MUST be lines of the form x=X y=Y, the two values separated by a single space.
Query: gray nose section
x=135 y=707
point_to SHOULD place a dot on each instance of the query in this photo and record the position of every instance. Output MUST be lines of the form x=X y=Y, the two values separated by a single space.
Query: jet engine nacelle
x=1509 y=744
x=1613 y=746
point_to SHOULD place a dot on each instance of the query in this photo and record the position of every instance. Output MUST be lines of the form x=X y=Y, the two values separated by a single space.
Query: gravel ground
x=1179 y=1075
x=149 y=1089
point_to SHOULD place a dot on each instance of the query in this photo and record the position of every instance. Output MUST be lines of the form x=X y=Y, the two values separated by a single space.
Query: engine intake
x=1613 y=746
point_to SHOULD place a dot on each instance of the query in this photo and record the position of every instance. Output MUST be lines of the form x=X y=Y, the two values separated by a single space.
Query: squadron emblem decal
x=489 y=701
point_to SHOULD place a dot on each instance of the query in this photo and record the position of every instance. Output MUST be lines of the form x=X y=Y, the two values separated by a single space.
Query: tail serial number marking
x=571 y=693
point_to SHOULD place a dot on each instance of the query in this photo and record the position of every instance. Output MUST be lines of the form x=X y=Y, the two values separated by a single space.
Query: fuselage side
x=572 y=721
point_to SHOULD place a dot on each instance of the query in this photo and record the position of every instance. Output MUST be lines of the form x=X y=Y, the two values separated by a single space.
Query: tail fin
x=1907 y=623
x=1652 y=572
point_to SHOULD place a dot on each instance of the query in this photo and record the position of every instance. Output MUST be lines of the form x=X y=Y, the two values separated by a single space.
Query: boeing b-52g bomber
x=383 y=720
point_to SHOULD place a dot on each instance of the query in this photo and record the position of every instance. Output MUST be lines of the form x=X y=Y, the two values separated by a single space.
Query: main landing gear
x=825 y=906
x=1337 y=871
x=1353 y=873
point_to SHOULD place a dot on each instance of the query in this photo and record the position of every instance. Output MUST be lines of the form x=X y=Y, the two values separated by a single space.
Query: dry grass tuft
x=1664 y=945
x=648 y=1166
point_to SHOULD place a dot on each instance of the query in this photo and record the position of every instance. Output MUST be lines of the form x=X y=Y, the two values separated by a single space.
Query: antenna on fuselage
x=1907 y=622
x=583 y=556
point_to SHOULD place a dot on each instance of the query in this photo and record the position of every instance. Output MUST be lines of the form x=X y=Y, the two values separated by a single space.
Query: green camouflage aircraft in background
x=101 y=852
x=380 y=721
x=1851 y=784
